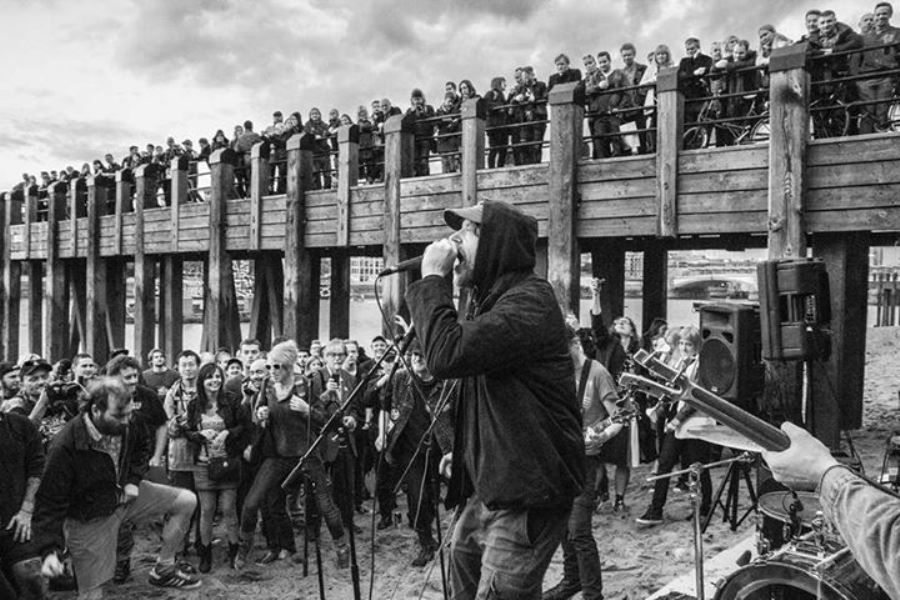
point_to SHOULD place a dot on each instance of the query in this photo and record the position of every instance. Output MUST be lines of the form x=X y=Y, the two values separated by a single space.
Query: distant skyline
x=85 y=78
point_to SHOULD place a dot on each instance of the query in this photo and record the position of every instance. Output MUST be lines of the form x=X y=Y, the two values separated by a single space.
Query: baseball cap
x=32 y=367
x=454 y=217
x=7 y=367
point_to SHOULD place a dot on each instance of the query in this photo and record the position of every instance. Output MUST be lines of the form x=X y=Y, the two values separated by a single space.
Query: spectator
x=111 y=165
x=9 y=381
x=450 y=88
x=769 y=39
x=273 y=134
x=604 y=124
x=81 y=495
x=812 y=26
x=632 y=73
x=662 y=58
x=497 y=133
x=875 y=88
x=159 y=377
x=216 y=424
x=739 y=78
x=317 y=128
x=866 y=24
x=243 y=146
x=423 y=128
x=516 y=117
x=531 y=98
x=448 y=129
x=563 y=74
x=367 y=167
x=691 y=71
x=466 y=91
x=219 y=140
x=205 y=150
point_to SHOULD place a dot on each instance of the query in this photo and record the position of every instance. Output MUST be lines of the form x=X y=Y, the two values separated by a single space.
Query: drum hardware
x=693 y=472
x=738 y=470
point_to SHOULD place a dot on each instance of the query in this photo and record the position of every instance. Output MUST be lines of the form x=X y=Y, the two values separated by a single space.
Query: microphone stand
x=333 y=424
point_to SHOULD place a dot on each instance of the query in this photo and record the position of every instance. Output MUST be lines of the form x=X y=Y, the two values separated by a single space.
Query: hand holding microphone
x=439 y=258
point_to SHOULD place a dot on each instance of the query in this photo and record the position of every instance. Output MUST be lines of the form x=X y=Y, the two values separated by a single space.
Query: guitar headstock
x=648 y=386
x=657 y=367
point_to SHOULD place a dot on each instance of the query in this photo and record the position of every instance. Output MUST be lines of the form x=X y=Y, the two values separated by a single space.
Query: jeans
x=225 y=500
x=689 y=451
x=581 y=561
x=605 y=145
x=874 y=115
x=503 y=553
x=497 y=141
x=266 y=489
x=420 y=496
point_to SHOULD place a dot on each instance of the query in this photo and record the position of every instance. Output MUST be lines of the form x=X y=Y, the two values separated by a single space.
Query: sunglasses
x=274 y=367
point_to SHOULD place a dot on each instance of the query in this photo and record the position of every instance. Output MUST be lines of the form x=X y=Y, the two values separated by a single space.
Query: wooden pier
x=836 y=196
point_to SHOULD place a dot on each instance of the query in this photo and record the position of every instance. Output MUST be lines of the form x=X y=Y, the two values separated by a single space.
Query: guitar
x=676 y=385
x=597 y=428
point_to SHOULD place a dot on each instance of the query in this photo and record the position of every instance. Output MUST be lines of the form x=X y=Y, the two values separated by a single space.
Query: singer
x=518 y=459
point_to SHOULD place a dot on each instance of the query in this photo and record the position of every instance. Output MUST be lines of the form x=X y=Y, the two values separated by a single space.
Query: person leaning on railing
x=878 y=63
x=740 y=77
x=448 y=129
x=423 y=130
x=497 y=133
x=828 y=48
x=691 y=70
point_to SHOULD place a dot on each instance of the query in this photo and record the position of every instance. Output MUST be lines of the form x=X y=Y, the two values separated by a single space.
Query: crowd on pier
x=725 y=91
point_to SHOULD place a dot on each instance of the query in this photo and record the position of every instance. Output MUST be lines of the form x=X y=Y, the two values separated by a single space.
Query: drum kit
x=801 y=555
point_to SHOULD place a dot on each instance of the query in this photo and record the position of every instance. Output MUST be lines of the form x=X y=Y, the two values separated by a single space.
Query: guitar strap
x=585 y=375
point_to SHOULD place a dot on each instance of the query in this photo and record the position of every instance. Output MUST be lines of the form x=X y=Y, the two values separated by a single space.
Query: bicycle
x=700 y=134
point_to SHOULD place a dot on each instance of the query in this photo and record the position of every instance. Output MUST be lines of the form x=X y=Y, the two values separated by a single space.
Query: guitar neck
x=753 y=428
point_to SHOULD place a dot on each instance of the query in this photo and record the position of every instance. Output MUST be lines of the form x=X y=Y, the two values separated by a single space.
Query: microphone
x=410 y=264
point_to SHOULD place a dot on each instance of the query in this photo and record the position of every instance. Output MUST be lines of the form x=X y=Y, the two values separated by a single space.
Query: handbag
x=224 y=468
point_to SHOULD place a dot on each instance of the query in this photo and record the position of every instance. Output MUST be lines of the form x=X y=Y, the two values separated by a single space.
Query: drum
x=774 y=528
x=789 y=575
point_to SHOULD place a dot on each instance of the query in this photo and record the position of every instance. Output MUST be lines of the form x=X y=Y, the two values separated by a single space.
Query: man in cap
x=35 y=376
x=10 y=380
x=518 y=452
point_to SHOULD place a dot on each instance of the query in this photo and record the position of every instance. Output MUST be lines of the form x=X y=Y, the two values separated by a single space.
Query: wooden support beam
x=608 y=263
x=837 y=384
x=655 y=284
x=473 y=120
x=116 y=299
x=669 y=135
x=144 y=271
x=29 y=216
x=566 y=122
x=11 y=291
x=178 y=168
x=260 y=323
x=222 y=322
x=339 y=305
x=56 y=289
x=789 y=122
x=275 y=292
x=71 y=214
x=124 y=181
x=398 y=163
x=301 y=268
x=35 y=315
x=96 y=342
x=76 y=275
x=348 y=178
x=259 y=187
x=171 y=333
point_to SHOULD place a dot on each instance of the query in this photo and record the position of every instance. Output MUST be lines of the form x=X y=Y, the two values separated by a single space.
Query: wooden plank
x=873 y=219
x=731 y=158
x=563 y=266
x=472 y=148
x=853 y=174
x=655 y=284
x=696 y=183
x=669 y=134
x=862 y=197
x=96 y=342
x=513 y=177
x=724 y=201
x=366 y=209
x=301 y=268
x=144 y=266
x=616 y=227
x=533 y=193
x=628 y=188
x=56 y=288
x=259 y=185
x=348 y=177
x=837 y=385
x=398 y=163
x=435 y=184
x=628 y=207
x=857 y=149
x=730 y=222
x=617 y=169
x=222 y=323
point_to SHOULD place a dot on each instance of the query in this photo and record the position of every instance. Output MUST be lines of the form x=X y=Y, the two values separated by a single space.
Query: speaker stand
x=732 y=481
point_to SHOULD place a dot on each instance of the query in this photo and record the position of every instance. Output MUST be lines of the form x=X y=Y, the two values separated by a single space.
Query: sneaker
x=562 y=591
x=619 y=506
x=173 y=577
x=343 y=556
x=269 y=557
x=123 y=570
x=426 y=554
x=651 y=517
x=384 y=523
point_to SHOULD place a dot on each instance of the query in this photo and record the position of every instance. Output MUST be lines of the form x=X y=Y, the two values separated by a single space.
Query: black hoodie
x=518 y=441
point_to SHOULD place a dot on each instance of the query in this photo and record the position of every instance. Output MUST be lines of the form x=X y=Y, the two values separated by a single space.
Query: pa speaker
x=795 y=309
x=730 y=364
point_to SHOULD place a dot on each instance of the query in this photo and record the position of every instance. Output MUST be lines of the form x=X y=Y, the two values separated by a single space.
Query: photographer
x=423 y=129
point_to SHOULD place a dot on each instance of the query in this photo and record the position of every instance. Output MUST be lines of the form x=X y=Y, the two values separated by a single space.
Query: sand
x=636 y=561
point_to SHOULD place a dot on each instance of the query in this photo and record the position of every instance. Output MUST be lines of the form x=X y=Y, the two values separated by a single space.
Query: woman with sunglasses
x=283 y=410
x=217 y=426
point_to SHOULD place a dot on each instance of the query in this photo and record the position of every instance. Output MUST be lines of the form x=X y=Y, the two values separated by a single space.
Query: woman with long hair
x=497 y=133
x=217 y=425
x=662 y=58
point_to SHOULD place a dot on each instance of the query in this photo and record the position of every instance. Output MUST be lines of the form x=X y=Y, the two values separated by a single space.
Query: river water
x=365 y=321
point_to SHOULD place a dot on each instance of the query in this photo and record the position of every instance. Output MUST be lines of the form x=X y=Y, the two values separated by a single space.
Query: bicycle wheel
x=695 y=138
x=760 y=132
x=828 y=123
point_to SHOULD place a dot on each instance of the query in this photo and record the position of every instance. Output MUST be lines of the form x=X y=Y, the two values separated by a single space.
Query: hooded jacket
x=517 y=430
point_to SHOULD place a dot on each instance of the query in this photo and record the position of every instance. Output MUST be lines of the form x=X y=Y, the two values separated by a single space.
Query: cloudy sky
x=83 y=78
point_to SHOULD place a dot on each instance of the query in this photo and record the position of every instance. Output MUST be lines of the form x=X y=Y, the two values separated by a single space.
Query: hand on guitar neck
x=803 y=464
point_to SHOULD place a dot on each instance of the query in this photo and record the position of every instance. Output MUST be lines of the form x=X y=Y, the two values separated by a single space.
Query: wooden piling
x=11 y=292
x=222 y=320
x=669 y=136
x=398 y=163
x=144 y=272
x=56 y=286
x=96 y=342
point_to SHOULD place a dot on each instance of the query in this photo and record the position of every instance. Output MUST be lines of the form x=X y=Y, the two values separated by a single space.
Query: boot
x=205 y=552
x=240 y=558
x=232 y=554
x=343 y=553
x=427 y=547
x=563 y=590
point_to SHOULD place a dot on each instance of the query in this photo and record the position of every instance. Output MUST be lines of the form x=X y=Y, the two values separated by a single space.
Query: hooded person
x=518 y=459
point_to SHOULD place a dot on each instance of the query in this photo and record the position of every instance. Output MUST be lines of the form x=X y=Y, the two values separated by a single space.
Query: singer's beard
x=462 y=272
